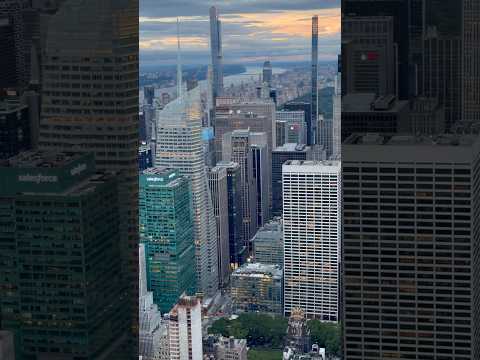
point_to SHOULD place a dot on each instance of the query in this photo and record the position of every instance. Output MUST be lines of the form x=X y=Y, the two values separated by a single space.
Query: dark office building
x=14 y=127
x=369 y=113
x=12 y=44
x=306 y=108
x=399 y=10
x=102 y=116
x=149 y=94
x=237 y=247
x=8 y=75
x=267 y=73
x=60 y=264
x=279 y=156
x=144 y=157
x=411 y=247
x=371 y=55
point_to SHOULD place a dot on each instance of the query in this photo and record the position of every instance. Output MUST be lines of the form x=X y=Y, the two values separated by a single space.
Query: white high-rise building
x=179 y=146
x=312 y=233
x=152 y=328
x=185 y=329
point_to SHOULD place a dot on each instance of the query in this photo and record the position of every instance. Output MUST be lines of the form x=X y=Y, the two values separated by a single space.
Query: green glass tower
x=166 y=229
x=60 y=259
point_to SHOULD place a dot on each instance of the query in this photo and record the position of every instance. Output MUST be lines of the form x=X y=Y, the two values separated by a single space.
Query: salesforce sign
x=38 y=178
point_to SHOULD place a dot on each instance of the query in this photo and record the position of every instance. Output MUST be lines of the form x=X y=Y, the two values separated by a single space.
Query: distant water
x=251 y=74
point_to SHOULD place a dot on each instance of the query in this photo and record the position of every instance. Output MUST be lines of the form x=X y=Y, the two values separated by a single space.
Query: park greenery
x=260 y=330
x=265 y=331
x=326 y=335
x=264 y=354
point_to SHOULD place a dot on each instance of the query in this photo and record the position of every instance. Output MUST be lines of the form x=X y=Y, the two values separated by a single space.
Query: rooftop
x=292 y=147
x=258 y=270
x=312 y=163
x=227 y=164
x=369 y=102
x=271 y=230
x=11 y=104
x=40 y=159
x=408 y=140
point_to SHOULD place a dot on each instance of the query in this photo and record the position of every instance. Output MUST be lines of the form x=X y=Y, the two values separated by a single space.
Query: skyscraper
x=267 y=74
x=399 y=11
x=410 y=253
x=307 y=110
x=152 y=329
x=180 y=146
x=295 y=126
x=218 y=183
x=312 y=214
x=237 y=148
x=166 y=230
x=216 y=53
x=231 y=114
x=314 y=79
x=236 y=246
x=262 y=175
x=325 y=135
x=149 y=94
x=97 y=58
x=337 y=118
x=185 y=329
x=61 y=224
x=14 y=127
x=12 y=43
x=371 y=54
x=279 y=156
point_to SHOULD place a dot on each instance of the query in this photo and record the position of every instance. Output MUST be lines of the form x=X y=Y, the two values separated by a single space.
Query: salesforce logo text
x=39 y=178
x=78 y=169
x=154 y=179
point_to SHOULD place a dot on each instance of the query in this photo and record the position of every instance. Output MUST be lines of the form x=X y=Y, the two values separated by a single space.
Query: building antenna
x=179 y=64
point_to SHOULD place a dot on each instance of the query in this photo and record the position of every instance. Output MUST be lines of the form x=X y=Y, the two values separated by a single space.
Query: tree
x=260 y=330
x=326 y=335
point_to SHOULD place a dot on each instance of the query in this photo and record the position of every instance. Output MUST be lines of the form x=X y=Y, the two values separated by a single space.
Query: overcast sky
x=253 y=30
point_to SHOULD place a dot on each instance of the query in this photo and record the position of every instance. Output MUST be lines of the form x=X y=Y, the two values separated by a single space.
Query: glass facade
x=166 y=229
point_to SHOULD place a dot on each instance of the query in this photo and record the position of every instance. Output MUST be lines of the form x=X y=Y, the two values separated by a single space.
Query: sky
x=252 y=30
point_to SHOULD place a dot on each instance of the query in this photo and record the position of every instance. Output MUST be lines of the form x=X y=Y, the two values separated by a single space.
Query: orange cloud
x=291 y=23
x=171 y=42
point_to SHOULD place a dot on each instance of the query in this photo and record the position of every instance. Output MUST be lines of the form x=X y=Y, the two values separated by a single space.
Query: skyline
x=251 y=32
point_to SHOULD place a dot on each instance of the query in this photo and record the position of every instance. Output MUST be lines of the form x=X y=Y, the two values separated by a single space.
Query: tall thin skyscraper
x=237 y=148
x=180 y=147
x=312 y=225
x=96 y=58
x=218 y=183
x=236 y=246
x=312 y=132
x=216 y=52
x=262 y=175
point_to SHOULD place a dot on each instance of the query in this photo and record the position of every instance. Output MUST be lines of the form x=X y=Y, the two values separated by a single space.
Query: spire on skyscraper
x=179 y=64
